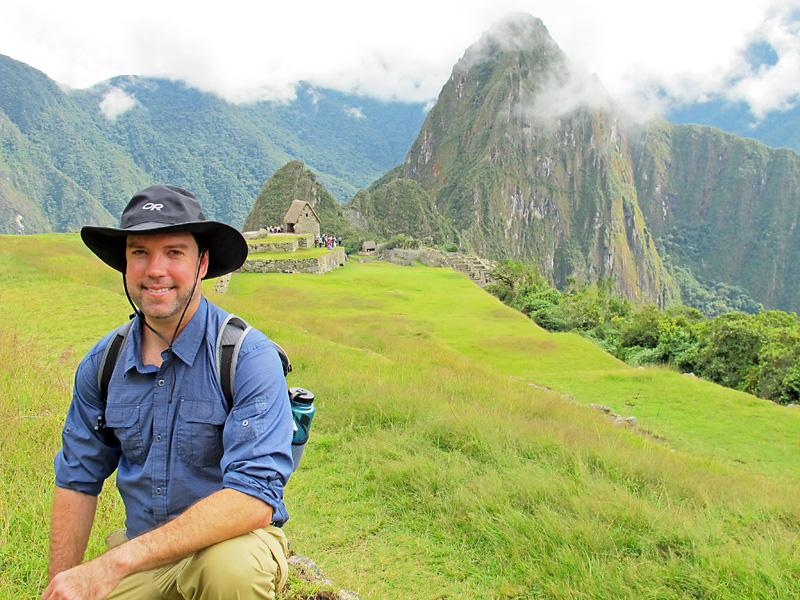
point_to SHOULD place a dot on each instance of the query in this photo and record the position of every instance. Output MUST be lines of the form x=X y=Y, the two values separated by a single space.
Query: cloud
x=315 y=96
x=710 y=56
x=513 y=33
x=355 y=112
x=116 y=102
x=561 y=96
x=247 y=50
x=775 y=84
x=565 y=89
x=644 y=53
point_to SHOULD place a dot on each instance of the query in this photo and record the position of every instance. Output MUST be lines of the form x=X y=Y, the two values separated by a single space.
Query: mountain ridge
x=170 y=132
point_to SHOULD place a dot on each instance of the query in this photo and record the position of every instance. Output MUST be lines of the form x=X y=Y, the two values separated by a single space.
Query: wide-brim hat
x=166 y=209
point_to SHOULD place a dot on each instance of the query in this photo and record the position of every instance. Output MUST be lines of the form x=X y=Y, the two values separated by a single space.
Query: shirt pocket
x=125 y=422
x=200 y=424
x=248 y=420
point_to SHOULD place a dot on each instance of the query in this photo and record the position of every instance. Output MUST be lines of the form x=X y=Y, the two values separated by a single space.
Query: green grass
x=435 y=468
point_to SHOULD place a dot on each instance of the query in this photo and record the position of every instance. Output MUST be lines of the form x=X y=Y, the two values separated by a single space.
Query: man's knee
x=240 y=567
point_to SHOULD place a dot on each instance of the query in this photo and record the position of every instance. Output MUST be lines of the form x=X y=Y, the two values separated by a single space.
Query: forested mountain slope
x=73 y=157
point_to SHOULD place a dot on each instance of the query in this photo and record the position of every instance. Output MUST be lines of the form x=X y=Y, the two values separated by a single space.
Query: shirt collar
x=188 y=342
x=185 y=347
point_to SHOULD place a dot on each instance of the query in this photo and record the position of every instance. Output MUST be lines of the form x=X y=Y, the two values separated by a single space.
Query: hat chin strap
x=141 y=315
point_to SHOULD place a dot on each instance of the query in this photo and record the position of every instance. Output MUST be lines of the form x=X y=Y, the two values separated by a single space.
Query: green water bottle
x=302 y=401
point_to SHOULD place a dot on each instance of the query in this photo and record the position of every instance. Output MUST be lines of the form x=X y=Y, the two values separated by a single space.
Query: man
x=202 y=486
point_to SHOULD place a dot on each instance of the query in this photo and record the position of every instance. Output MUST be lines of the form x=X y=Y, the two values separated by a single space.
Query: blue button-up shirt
x=168 y=432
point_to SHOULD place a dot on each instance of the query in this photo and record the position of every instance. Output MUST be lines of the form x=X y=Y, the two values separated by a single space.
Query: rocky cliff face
x=523 y=157
x=520 y=167
x=726 y=207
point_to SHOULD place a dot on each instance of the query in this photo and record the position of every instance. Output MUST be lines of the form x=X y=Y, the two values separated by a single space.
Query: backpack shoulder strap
x=229 y=341
x=110 y=356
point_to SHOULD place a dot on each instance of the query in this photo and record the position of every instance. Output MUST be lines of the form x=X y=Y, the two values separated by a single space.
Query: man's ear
x=203 y=262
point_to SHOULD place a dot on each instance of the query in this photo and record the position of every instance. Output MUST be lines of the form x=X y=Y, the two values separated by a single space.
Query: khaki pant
x=249 y=566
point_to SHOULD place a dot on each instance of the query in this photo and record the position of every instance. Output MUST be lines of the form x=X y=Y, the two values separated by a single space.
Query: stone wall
x=221 y=286
x=321 y=264
x=307 y=222
x=477 y=269
x=287 y=246
x=290 y=245
x=407 y=256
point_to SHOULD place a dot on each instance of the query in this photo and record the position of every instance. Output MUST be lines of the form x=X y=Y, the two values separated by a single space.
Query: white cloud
x=116 y=102
x=315 y=96
x=246 y=49
x=355 y=112
x=773 y=87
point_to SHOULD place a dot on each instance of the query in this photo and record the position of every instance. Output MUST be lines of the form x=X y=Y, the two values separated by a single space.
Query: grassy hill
x=438 y=467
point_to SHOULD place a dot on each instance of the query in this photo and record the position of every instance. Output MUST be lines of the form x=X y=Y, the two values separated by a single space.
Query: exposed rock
x=618 y=419
x=307 y=569
x=629 y=421
x=255 y=235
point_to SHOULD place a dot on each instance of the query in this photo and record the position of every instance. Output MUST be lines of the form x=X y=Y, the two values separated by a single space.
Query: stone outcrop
x=618 y=419
x=307 y=569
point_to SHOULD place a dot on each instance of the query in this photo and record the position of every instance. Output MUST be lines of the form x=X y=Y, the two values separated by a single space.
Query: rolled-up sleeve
x=258 y=432
x=89 y=454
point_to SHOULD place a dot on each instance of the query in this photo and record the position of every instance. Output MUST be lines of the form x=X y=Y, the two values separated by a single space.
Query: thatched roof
x=293 y=214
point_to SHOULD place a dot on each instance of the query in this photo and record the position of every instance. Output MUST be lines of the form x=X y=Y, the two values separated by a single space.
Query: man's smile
x=159 y=291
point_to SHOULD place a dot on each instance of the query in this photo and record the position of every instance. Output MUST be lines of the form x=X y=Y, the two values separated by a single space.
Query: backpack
x=229 y=341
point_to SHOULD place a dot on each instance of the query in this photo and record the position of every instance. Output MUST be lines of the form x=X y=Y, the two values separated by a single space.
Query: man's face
x=161 y=271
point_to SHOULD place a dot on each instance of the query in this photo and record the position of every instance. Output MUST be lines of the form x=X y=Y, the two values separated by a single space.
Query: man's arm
x=223 y=515
x=71 y=518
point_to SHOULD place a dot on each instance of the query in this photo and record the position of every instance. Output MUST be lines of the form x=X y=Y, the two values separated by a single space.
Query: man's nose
x=156 y=265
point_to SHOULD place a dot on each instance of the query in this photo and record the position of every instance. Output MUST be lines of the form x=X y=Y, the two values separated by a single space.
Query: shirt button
x=158 y=438
x=158 y=491
x=245 y=423
x=160 y=383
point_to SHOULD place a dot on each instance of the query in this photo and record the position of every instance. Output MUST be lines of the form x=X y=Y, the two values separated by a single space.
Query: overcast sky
x=253 y=49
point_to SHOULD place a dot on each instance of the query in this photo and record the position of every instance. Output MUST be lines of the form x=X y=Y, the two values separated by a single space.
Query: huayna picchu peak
x=525 y=157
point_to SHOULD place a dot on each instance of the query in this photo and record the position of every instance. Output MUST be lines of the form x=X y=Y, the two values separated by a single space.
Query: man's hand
x=93 y=580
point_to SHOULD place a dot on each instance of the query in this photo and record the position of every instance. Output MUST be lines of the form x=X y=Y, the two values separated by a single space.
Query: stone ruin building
x=301 y=218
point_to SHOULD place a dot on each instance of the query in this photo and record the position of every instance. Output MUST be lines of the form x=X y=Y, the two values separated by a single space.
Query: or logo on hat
x=151 y=207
